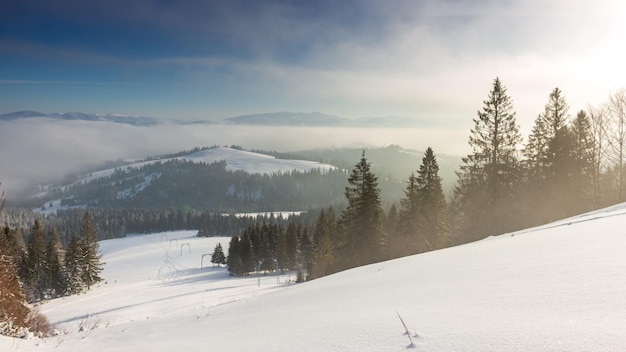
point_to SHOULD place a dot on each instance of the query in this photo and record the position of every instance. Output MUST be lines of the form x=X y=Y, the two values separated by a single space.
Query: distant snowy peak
x=117 y=118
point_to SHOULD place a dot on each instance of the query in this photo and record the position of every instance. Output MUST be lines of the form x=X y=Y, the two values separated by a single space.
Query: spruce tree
x=73 y=267
x=549 y=162
x=541 y=152
x=90 y=256
x=34 y=271
x=291 y=246
x=218 y=256
x=433 y=226
x=360 y=226
x=233 y=261
x=324 y=233
x=56 y=281
x=409 y=219
x=488 y=178
x=584 y=147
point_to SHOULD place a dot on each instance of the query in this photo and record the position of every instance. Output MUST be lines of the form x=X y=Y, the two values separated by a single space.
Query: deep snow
x=558 y=287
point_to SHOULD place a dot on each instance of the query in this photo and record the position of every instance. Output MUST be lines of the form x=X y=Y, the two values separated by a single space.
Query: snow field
x=558 y=287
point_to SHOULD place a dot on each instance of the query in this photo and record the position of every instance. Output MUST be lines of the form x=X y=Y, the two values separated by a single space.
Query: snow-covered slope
x=559 y=287
x=236 y=160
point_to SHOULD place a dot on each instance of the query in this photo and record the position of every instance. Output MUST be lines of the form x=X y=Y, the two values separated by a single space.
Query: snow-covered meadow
x=558 y=287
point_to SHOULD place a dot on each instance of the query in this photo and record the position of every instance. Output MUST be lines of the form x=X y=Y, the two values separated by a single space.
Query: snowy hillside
x=236 y=160
x=559 y=287
x=130 y=180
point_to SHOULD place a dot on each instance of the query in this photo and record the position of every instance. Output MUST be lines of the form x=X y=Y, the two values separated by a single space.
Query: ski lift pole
x=277 y=273
x=258 y=274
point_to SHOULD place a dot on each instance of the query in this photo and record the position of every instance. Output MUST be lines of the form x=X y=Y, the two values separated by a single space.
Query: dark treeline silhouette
x=116 y=223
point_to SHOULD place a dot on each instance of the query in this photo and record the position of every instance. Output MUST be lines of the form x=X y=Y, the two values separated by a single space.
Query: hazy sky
x=434 y=61
x=214 y=59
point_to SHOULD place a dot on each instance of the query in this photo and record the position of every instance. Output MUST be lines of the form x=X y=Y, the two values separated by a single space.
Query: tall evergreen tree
x=584 y=159
x=433 y=202
x=291 y=246
x=73 y=267
x=233 y=260
x=360 y=224
x=549 y=161
x=488 y=178
x=34 y=270
x=540 y=150
x=56 y=280
x=409 y=219
x=324 y=235
x=90 y=256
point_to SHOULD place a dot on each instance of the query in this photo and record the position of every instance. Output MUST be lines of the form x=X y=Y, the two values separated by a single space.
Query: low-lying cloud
x=43 y=150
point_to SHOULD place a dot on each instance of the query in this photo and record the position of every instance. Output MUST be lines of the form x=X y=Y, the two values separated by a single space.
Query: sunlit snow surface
x=559 y=287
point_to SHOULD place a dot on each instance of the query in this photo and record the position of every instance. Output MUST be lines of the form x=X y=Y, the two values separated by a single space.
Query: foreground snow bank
x=558 y=287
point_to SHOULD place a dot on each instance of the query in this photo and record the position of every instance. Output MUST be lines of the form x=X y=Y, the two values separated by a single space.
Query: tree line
x=360 y=235
x=567 y=166
x=42 y=268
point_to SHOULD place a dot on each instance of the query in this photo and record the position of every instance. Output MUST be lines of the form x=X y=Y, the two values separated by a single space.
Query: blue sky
x=432 y=60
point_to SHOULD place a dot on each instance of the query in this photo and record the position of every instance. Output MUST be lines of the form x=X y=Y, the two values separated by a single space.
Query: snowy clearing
x=558 y=287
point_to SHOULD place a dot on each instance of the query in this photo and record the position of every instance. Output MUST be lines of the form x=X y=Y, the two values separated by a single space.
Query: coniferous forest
x=572 y=162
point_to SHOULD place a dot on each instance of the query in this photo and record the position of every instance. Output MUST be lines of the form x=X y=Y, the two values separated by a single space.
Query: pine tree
x=218 y=255
x=409 y=219
x=56 y=282
x=34 y=270
x=291 y=246
x=488 y=178
x=433 y=202
x=90 y=256
x=73 y=268
x=233 y=261
x=549 y=161
x=360 y=225
x=324 y=233
x=540 y=152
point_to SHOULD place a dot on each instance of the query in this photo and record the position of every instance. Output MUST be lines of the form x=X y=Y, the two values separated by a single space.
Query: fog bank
x=42 y=150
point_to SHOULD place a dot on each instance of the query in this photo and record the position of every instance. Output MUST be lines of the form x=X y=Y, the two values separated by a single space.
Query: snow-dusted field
x=559 y=287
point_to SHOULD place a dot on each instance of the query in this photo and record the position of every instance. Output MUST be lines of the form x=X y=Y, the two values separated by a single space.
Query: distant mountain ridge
x=290 y=119
x=131 y=120
x=283 y=118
